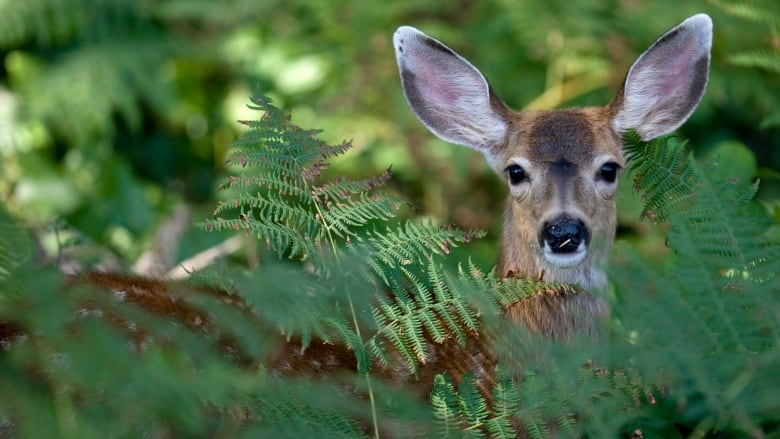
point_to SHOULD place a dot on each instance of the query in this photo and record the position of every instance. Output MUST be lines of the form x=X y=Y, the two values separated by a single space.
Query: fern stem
x=374 y=417
x=332 y=242
x=64 y=410
x=703 y=428
x=476 y=426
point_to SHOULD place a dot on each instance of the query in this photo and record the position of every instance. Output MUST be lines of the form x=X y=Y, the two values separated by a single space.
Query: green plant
x=111 y=111
x=718 y=293
x=379 y=290
x=690 y=352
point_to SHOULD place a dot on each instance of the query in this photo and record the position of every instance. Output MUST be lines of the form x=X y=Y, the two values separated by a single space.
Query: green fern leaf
x=287 y=204
x=342 y=188
x=344 y=216
x=15 y=247
x=301 y=409
x=760 y=11
x=716 y=293
x=410 y=243
x=506 y=401
x=662 y=173
x=445 y=407
x=353 y=341
x=404 y=318
x=472 y=405
x=761 y=59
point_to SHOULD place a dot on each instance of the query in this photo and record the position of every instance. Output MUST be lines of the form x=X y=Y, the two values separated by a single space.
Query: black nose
x=563 y=234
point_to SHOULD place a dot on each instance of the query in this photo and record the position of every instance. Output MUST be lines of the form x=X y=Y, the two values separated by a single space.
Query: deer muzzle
x=564 y=241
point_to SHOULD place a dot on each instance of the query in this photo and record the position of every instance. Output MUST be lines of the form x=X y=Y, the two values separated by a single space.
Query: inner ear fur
x=666 y=83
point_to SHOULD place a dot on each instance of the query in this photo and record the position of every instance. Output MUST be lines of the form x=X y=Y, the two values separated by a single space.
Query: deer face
x=561 y=167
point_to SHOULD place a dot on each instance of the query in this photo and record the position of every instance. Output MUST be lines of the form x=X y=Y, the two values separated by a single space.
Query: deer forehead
x=573 y=137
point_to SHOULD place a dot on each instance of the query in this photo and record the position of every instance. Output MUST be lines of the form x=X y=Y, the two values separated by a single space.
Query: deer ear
x=666 y=83
x=448 y=94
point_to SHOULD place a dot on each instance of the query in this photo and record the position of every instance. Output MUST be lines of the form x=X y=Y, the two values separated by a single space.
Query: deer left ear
x=666 y=83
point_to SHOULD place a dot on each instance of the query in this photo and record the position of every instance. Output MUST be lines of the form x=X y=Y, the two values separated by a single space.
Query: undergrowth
x=690 y=349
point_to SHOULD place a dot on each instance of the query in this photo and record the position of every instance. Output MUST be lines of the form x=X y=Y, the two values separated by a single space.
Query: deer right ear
x=448 y=94
x=666 y=83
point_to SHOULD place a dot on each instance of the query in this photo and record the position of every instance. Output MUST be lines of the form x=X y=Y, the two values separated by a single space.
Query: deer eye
x=608 y=172
x=516 y=174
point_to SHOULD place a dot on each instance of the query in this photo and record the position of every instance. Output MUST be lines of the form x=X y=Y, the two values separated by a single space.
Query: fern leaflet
x=288 y=204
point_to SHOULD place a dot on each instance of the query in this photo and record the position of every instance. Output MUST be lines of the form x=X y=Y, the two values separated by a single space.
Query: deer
x=561 y=166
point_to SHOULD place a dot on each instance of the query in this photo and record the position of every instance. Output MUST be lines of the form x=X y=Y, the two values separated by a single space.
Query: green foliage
x=113 y=111
x=76 y=375
x=719 y=293
x=691 y=351
x=694 y=345
x=506 y=401
x=302 y=216
x=404 y=317
x=14 y=245
x=765 y=57
x=463 y=413
x=151 y=90
x=671 y=183
x=294 y=212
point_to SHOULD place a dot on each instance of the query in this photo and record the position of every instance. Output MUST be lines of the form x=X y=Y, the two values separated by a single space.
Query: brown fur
x=576 y=136
x=177 y=301
x=528 y=137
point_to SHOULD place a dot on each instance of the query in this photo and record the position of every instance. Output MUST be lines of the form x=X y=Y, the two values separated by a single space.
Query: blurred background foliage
x=113 y=113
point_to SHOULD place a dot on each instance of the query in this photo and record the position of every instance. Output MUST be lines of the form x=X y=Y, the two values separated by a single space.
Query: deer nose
x=563 y=235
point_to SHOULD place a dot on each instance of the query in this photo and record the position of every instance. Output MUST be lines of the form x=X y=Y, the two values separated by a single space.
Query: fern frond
x=722 y=252
x=446 y=411
x=430 y=321
x=534 y=424
x=411 y=331
x=270 y=296
x=411 y=243
x=505 y=292
x=281 y=186
x=506 y=402
x=717 y=294
x=530 y=416
x=273 y=208
x=353 y=341
x=287 y=204
x=15 y=247
x=425 y=309
x=663 y=173
x=341 y=188
x=760 y=11
x=344 y=216
x=455 y=324
x=472 y=405
x=394 y=334
x=303 y=409
x=463 y=412
x=763 y=59
x=500 y=427
x=379 y=353
x=278 y=237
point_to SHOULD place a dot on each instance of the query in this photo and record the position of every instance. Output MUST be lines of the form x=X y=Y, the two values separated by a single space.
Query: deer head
x=561 y=167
